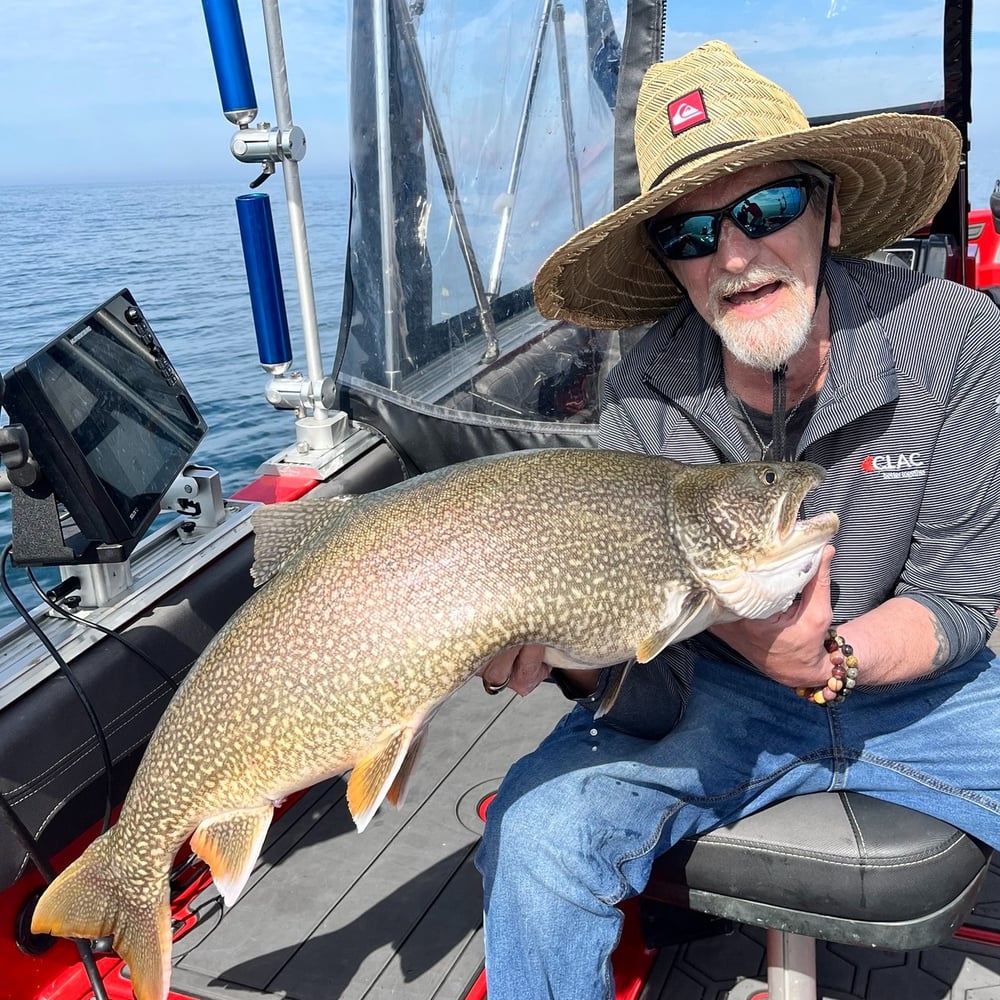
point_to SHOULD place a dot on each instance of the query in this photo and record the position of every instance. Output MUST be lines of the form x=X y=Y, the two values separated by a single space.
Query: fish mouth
x=770 y=583
x=787 y=522
x=797 y=535
x=808 y=534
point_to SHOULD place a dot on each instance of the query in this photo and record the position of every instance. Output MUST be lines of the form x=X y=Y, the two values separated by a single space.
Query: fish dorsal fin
x=282 y=530
x=375 y=773
x=685 y=617
x=229 y=844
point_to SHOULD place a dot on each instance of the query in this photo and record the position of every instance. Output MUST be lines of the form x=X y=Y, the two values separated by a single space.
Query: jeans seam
x=973 y=797
x=623 y=886
x=650 y=844
x=837 y=753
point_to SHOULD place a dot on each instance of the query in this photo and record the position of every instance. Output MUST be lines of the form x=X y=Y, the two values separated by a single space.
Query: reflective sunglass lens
x=693 y=236
x=765 y=212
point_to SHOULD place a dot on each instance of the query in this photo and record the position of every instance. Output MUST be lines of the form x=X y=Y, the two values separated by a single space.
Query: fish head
x=739 y=527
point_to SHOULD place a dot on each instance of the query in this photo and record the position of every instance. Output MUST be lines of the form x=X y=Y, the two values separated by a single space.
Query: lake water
x=177 y=248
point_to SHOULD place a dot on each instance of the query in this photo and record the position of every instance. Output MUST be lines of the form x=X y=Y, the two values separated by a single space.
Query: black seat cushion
x=839 y=854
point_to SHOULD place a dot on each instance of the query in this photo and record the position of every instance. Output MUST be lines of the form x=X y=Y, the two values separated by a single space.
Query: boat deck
x=396 y=911
x=393 y=912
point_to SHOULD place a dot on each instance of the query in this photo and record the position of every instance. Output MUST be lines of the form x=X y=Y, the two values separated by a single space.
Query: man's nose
x=736 y=250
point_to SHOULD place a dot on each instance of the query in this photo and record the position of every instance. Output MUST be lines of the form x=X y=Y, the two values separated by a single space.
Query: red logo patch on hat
x=687 y=111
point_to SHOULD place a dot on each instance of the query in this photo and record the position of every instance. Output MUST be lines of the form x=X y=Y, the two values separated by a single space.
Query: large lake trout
x=376 y=608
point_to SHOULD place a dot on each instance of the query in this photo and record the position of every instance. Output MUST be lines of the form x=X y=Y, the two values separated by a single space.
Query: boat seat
x=833 y=866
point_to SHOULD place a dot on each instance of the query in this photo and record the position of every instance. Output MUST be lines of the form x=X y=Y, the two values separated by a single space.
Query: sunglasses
x=758 y=213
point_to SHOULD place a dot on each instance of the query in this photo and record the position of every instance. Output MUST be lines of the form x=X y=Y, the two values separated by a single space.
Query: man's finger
x=530 y=669
x=497 y=672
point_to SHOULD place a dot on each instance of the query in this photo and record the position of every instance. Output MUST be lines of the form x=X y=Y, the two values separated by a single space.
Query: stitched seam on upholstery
x=58 y=805
x=21 y=793
x=859 y=837
x=753 y=848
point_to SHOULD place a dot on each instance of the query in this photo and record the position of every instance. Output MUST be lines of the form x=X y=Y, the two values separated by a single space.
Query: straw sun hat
x=707 y=114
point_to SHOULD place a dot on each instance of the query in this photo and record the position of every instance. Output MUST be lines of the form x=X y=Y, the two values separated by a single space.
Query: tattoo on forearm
x=943 y=651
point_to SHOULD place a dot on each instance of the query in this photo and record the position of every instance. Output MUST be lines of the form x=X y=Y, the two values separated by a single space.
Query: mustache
x=727 y=285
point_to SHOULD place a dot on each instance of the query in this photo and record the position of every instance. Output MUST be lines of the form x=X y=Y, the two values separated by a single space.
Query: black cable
x=102 y=742
x=110 y=633
x=22 y=833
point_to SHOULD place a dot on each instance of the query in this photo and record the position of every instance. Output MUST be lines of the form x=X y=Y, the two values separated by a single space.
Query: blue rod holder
x=267 y=299
x=232 y=64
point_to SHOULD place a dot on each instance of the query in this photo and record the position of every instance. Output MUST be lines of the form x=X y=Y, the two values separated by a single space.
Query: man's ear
x=834 y=238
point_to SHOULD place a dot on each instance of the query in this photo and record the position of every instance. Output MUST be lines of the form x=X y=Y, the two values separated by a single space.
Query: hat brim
x=895 y=172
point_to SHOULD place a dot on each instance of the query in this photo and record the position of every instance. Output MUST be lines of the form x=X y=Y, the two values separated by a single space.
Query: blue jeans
x=577 y=824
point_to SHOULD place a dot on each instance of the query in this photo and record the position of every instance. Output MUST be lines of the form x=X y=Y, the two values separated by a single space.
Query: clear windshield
x=500 y=148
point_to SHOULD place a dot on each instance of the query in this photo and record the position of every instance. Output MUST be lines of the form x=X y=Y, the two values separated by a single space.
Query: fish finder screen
x=108 y=419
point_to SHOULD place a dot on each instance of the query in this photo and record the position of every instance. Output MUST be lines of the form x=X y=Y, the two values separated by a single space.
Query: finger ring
x=495 y=688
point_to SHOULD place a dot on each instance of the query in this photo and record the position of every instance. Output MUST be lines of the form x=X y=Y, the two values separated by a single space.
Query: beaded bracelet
x=844 y=674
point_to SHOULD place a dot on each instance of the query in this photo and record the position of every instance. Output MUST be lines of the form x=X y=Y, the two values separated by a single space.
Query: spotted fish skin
x=374 y=609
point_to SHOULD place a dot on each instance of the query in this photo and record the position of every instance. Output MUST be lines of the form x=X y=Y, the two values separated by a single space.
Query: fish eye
x=768 y=477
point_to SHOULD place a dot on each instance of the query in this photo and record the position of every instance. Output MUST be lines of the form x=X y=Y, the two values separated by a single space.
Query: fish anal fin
x=229 y=844
x=613 y=690
x=694 y=613
x=375 y=773
x=397 y=790
x=282 y=530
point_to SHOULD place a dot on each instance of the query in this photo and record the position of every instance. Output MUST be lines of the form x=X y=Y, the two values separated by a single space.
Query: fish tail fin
x=87 y=900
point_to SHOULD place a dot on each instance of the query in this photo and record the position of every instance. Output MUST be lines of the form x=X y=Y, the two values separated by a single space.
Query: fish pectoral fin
x=375 y=773
x=229 y=844
x=694 y=614
x=613 y=690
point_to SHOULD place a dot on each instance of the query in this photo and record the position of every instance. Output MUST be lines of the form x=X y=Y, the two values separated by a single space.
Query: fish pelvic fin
x=614 y=689
x=383 y=771
x=230 y=844
x=397 y=790
x=692 y=615
x=283 y=530
x=89 y=900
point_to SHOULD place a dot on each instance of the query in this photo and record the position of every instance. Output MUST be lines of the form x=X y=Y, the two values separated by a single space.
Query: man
x=764 y=346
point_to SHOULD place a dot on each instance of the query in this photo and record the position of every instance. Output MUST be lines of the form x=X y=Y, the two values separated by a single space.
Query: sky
x=125 y=90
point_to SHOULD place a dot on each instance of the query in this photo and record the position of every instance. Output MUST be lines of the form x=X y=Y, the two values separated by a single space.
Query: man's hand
x=788 y=647
x=520 y=668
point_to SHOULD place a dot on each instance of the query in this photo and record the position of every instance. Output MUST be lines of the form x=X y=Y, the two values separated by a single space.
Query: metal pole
x=572 y=167
x=515 y=167
x=387 y=213
x=293 y=195
x=791 y=966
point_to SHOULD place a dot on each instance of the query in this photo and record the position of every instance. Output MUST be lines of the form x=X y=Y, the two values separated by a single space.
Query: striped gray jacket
x=907 y=424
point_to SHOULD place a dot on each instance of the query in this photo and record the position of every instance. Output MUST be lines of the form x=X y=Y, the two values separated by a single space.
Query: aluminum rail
x=293 y=196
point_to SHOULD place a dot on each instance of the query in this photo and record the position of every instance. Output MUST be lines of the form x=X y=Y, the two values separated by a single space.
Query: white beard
x=769 y=341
